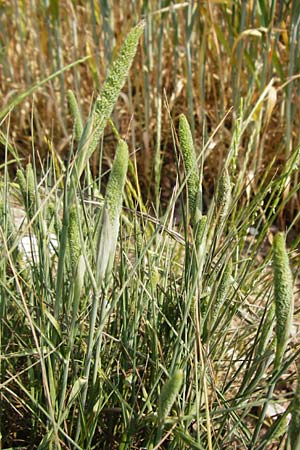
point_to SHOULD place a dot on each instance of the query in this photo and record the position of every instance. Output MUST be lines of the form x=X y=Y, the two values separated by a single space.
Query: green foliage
x=165 y=297
x=294 y=426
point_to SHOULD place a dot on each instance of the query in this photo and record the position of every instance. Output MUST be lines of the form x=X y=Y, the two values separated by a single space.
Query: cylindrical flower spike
x=223 y=196
x=78 y=127
x=112 y=210
x=191 y=168
x=27 y=188
x=74 y=237
x=222 y=289
x=105 y=103
x=283 y=295
x=168 y=395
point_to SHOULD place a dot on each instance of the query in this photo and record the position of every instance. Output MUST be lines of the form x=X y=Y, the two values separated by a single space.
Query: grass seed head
x=74 y=237
x=27 y=188
x=105 y=103
x=117 y=76
x=22 y=183
x=223 y=197
x=283 y=295
x=222 y=289
x=168 y=395
x=111 y=215
x=200 y=235
x=190 y=164
x=78 y=127
x=116 y=182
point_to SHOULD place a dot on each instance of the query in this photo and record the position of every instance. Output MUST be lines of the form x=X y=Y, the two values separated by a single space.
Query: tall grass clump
x=163 y=332
x=124 y=325
x=93 y=130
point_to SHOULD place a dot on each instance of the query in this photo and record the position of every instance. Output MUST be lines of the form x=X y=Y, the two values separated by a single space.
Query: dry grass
x=211 y=59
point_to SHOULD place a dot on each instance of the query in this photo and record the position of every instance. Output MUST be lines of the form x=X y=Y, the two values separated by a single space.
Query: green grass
x=87 y=364
x=152 y=326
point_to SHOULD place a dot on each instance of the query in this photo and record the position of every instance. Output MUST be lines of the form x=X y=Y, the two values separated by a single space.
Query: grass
x=126 y=324
x=242 y=48
x=90 y=363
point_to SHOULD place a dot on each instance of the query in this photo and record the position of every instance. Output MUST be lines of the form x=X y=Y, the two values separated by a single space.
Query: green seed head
x=190 y=165
x=78 y=127
x=283 y=295
x=222 y=289
x=22 y=183
x=223 y=194
x=30 y=181
x=114 y=83
x=27 y=188
x=74 y=237
x=117 y=75
x=105 y=104
x=116 y=182
x=168 y=395
x=111 y=214
x=200 y=235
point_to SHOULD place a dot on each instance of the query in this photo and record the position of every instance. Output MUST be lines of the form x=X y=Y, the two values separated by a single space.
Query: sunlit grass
x=90 y=364
x=126 y=323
